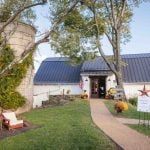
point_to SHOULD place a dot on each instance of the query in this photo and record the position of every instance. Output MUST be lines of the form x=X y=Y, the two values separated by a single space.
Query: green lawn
x=66 y=127
x=142 y=129
x=130 y=113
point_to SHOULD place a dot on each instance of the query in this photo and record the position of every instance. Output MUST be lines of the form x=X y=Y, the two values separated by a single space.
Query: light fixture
x=109 y=79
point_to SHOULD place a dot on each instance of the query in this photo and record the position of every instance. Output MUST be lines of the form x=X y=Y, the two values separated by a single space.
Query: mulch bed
x=6 y=133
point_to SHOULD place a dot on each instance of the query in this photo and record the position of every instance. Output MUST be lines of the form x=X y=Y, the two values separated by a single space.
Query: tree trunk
x=119 y=79
x=118 y=65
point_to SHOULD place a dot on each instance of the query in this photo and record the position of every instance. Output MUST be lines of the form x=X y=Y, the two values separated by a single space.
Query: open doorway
x=98 y=86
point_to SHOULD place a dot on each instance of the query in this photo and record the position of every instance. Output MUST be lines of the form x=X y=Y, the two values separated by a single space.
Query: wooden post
x=63 y=92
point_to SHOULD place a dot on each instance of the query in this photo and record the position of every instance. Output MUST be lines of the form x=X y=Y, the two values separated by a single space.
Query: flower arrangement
x=121 y=106
x=110 y=93
x=84 y=95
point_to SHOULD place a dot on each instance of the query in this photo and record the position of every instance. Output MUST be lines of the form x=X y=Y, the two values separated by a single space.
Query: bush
x=11 y=100
x=133 y=101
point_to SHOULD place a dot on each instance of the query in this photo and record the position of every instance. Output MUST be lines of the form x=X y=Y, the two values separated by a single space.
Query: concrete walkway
x=124 y=136
x=131 y=121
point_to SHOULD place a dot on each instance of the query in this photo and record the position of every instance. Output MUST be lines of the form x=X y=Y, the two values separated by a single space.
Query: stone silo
x=19 y=36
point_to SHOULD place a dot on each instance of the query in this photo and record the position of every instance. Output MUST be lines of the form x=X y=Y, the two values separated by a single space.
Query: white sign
x=143 y=103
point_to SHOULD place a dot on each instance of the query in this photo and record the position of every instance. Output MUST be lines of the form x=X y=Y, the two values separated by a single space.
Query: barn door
x=102 y=87
x=94 y=87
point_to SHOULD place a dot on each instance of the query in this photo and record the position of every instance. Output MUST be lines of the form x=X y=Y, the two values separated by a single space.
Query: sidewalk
x=131 y=121
x=124 y=136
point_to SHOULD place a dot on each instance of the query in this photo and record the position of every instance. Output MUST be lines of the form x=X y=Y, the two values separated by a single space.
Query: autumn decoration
x=121 y=106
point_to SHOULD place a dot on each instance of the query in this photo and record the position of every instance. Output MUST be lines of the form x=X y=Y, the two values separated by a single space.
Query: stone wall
x=42 y=92
x=19 y=36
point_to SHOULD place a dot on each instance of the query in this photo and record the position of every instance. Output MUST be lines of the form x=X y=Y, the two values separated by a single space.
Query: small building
x=57 y=77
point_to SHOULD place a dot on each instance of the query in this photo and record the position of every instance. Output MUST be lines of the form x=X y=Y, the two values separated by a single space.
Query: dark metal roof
x=97 y=64
x=56 y=70
x=143 y=55
x=57 y=59
x=138 y=68
x=97 y=73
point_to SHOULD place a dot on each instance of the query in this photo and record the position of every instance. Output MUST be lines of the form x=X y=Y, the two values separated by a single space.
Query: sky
x=139 y=27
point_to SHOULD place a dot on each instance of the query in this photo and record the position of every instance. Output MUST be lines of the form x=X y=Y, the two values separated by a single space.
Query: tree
x=16 y=13
x=91 y=20
x=89 y=27
x=9 y=7
x=117 y=17
x=14 y=69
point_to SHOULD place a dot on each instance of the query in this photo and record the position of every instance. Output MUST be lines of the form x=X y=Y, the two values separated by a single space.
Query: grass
x=141 y=128
x=66 y=127
x=130 y=113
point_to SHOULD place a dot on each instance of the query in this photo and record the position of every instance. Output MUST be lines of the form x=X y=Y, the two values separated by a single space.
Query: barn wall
x=131 y=89
x=86 y=84
x=41 y=92
x=110 y=82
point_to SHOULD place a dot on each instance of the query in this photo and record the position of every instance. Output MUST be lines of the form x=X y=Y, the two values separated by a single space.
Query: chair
x=10 y=120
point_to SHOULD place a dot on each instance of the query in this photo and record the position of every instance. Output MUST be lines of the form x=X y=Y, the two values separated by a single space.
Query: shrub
x=11 y=100
x=133 y=101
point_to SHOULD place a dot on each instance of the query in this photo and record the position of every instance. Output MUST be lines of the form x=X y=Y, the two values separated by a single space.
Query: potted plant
x=121 y=106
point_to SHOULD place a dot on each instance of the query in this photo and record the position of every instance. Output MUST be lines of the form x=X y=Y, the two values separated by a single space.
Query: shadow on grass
x=4 y=133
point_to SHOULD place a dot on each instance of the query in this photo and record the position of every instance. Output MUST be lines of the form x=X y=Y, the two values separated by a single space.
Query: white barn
x=56 y=77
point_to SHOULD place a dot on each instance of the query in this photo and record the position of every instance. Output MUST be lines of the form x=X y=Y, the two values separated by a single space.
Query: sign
x=143 y=103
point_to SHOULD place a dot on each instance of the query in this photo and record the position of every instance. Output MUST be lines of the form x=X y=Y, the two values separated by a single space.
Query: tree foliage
x=9 y=8
x=12 y=72
x=82 y=30
x=76 y=31
x=9 y=97
x=74 y=34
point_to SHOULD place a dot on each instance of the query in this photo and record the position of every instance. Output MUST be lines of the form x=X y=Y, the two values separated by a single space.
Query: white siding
x=110 y=82
x=131 y=89
x=41 y=92
x=86 y=84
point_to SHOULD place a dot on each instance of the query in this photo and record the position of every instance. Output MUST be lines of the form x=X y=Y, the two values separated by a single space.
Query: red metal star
x=144 y=91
